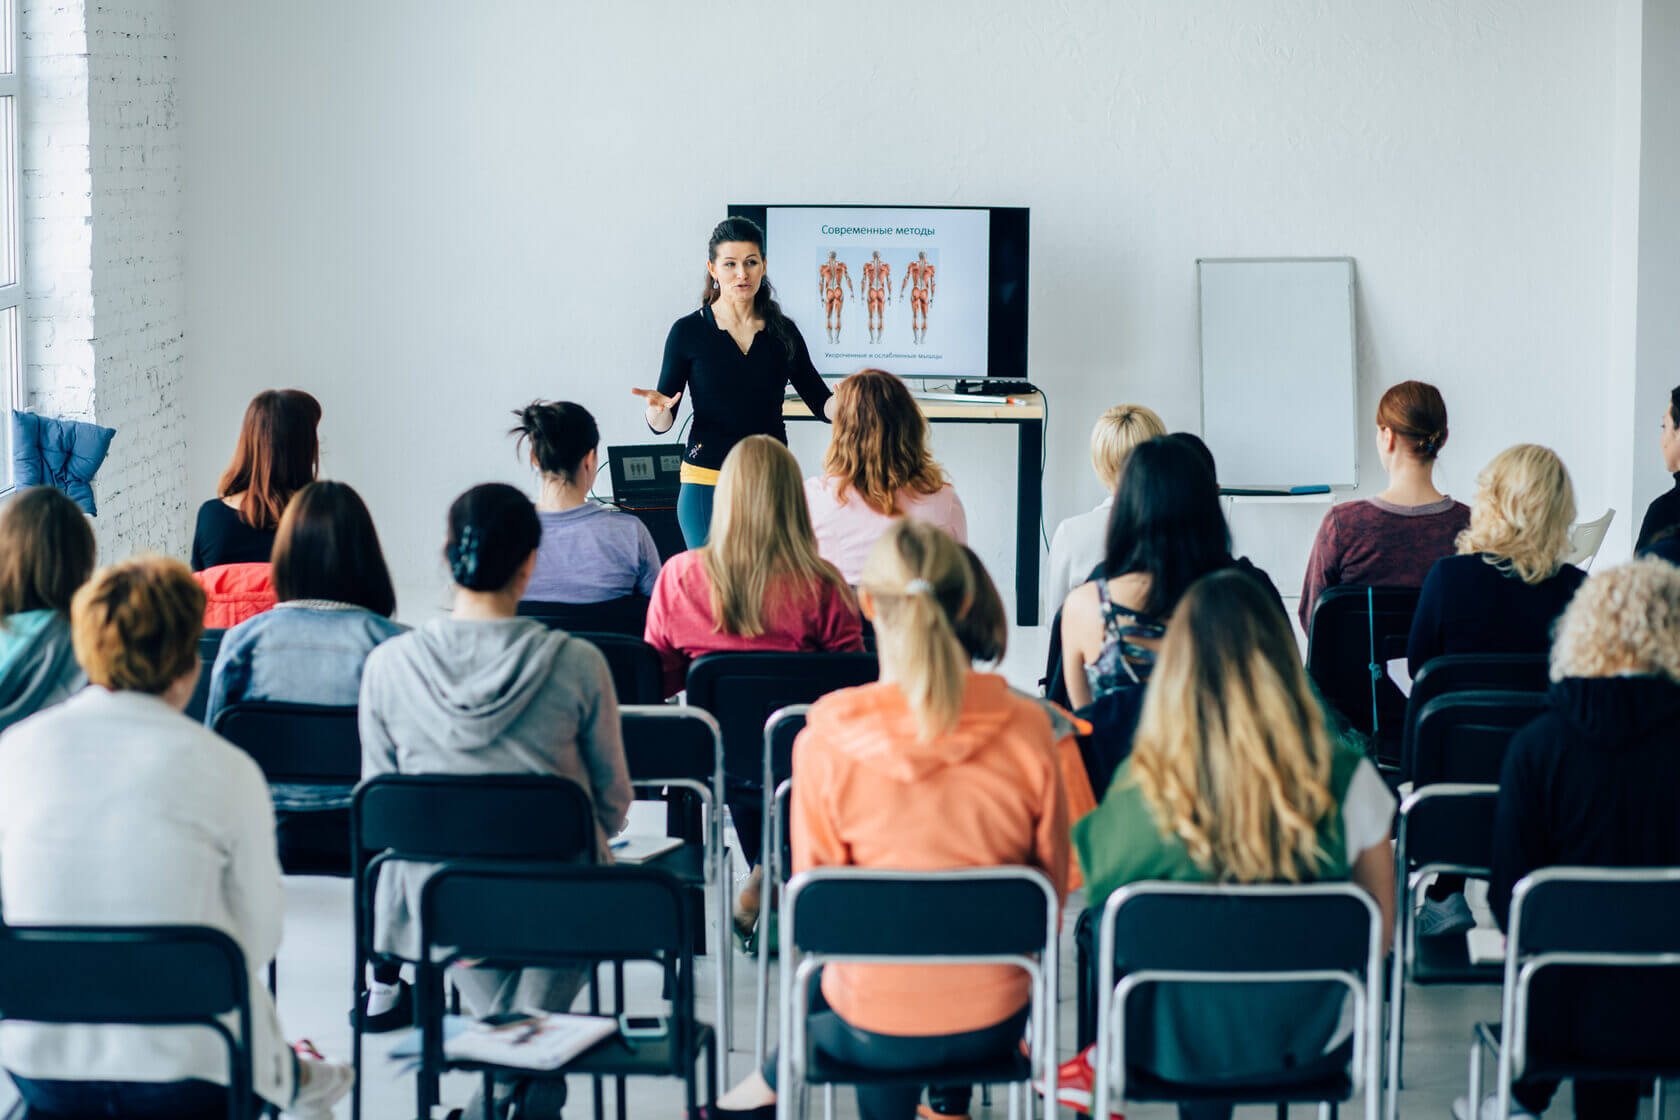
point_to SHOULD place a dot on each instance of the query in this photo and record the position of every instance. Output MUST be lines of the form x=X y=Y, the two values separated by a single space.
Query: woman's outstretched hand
x=659 y=408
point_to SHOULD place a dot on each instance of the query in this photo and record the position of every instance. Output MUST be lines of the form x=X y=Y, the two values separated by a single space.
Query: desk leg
x=1029 y=510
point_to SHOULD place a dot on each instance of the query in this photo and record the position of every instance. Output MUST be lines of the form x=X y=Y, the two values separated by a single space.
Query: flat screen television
x=933 y=291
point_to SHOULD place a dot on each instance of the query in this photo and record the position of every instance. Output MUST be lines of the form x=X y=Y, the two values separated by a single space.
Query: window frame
x=14 y=295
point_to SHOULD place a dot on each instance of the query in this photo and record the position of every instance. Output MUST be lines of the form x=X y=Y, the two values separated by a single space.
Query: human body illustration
x=918 y=277
x=830 y=276
x=877 y=292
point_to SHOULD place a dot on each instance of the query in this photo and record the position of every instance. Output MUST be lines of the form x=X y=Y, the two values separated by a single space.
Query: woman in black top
x=277 y=455
x=738 y=378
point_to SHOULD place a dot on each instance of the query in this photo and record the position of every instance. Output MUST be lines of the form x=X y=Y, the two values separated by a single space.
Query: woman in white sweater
x=116 y=809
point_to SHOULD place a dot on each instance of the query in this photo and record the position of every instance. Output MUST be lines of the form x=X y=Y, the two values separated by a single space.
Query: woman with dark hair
x=484 y=691
x=590 y=553
x=878 y=467
x=277 y=455
x=46 y=553
x=1391 y=539
x=1166 y=530
x=737 y=377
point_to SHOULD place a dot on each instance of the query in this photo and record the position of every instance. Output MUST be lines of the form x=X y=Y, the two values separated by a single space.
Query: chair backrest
x=972 y=912
x=637 y=677
x=1585 y=537
x=1349 y=625
x=780 y=730
x=434 y=817
x=1449 y=823
x=667 y=742
x=743 y=689
x=151 y=975
x=295 y=742
x=625 y=615
x=209 y=644
x=1462 y=672
x=1462 y=736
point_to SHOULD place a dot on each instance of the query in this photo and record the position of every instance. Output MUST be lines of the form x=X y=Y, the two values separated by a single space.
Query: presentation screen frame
x=1007 y=276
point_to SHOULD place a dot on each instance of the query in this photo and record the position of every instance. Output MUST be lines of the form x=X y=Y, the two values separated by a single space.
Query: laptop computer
x=645 y=474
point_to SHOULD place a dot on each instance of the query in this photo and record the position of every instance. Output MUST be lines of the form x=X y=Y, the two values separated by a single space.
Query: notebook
x=548 y=1040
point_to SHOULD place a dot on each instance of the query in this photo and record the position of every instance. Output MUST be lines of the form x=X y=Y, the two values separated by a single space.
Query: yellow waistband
x=697 y=476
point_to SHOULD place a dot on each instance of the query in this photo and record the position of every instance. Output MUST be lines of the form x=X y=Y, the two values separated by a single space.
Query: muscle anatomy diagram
x=830 y=275
x=877 y=293
x=918 y=278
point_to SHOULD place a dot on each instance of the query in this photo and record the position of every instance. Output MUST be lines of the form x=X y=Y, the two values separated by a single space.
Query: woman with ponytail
x=934 y=767
x=483 y=691
x=590 y=552
x=1234 y=777
x=738 y=354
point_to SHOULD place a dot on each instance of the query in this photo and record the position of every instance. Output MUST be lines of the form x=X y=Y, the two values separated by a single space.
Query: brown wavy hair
x=1415 y=411
x=278 y=454
x=135 y=624
x=879 y=447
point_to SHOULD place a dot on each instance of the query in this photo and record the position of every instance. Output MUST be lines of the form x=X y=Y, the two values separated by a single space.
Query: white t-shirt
x=1367 y=811
x=847 y=531
x=1075 y=548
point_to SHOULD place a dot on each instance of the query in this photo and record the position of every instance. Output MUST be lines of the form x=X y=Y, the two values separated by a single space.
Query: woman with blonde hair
x=878 y=467
x=1590 y=783
x=757 y=584
x=934 y=766
x=1078 y=543
x=1234 y=778
x=1500 y=594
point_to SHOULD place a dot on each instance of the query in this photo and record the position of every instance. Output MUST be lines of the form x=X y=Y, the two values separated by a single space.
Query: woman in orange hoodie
x=933 y=767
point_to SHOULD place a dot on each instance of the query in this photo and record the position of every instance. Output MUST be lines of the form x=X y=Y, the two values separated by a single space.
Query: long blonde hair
x=761 y=535
x=919 y=581
x=1231 y=749
x=879 y=446
x=1520 y=519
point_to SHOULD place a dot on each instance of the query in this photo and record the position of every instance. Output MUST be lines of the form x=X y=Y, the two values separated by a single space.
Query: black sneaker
x=396 y=1017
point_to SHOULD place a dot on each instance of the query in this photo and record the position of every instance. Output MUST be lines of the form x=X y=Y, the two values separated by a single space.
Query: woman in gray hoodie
x=484 y=691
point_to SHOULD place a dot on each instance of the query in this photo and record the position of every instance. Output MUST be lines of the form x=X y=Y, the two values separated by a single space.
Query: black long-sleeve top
x=222 y=538
x=1469 y=606
x=1662 y=513
x=735 y=395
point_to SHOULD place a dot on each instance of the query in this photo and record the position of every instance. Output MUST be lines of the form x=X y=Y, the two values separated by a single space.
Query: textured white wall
x=428 y=215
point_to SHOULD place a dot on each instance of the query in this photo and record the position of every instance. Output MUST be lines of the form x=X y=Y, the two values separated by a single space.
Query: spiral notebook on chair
x=533 y=1040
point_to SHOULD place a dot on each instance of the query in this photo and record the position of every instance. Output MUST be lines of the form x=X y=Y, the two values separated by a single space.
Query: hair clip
x=918 y=587
x=464 y=557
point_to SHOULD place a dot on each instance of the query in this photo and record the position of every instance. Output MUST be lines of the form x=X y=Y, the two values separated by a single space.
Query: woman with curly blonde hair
x=878 y=467
x=1235 y=778
x=1591 y=783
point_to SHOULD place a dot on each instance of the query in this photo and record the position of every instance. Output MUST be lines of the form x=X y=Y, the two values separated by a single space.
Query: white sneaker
x=1490 y=1108
x=1438 y=917
x=326 y=1084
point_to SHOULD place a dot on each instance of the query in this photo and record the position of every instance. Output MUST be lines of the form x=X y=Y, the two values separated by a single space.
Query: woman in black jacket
x=1592 y=783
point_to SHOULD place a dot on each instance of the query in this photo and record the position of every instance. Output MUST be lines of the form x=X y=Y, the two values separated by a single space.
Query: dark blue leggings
x=694 y=512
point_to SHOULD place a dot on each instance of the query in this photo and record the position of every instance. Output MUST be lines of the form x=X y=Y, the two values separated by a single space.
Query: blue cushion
x=60 y=453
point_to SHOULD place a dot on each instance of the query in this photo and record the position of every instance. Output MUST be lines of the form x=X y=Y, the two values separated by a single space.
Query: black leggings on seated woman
x=839 y=1040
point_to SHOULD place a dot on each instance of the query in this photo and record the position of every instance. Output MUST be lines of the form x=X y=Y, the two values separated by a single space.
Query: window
x=11 y=241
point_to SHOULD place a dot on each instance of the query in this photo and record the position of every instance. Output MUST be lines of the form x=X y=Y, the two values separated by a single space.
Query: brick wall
x=104 y=250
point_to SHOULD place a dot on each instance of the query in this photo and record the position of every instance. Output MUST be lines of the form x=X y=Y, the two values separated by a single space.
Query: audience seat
x=209 y=645
x=1462 y=672
x=637 y=676
x=1355 y=632
x=624 y=615
x=1462 y=736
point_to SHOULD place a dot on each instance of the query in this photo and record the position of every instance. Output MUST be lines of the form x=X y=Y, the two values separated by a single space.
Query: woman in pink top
x=878 y=467
x=758 y=584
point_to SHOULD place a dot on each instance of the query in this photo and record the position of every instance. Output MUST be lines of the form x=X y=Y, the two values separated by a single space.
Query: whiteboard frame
x=1353 y=334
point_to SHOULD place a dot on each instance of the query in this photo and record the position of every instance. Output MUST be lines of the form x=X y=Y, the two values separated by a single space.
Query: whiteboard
x=1279 y=376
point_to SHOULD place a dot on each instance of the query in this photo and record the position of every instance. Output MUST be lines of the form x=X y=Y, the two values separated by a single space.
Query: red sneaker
x=1076 y=1084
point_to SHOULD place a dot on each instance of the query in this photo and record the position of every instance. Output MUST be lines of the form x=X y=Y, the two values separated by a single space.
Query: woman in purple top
x=1393 y=539
x=590 y=553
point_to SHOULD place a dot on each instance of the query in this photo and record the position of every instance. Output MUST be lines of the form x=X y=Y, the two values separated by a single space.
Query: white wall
x=428 y=214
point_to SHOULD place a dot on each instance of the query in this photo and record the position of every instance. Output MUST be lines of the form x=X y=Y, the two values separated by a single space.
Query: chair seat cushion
x=826 y=1071
x=1142 y=1086
x=1446 y=960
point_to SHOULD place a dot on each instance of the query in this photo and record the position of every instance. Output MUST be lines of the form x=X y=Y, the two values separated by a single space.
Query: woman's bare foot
x=747 y=903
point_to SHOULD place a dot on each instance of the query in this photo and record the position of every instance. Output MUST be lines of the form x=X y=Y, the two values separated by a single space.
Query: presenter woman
x=738 y=354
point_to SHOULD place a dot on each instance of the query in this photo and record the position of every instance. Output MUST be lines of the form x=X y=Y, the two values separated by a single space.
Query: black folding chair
x=679 y=749
x=1468 y=672
x=561 y=916
x=308 y=745
x=637 y=676
x=434 y=818
x=625 y=615
x=743 y=690
x=1355 y=632
x=780 y=730
x=1583 y=919
x=1183 y=934
x=990 y=915
x=1444 y=829
x=1462 y=736
x=209 y=645
x=170 y=975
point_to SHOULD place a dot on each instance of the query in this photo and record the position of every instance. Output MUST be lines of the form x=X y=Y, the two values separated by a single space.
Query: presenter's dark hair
x=1674 y=406
x=560 y=433
x=492 y=529
x=327 y=548
x=46 y=551
x=277 y=455
x=1415 y=411
x=1166 y=522
x=764 y=303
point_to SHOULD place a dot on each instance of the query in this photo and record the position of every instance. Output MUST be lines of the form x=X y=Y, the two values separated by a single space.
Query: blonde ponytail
x=919 y=581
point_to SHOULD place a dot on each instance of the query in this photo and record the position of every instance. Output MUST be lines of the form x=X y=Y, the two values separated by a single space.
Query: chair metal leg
x=1014 y=1101
x=1396 y=1031
x=828 y=1101
x=489 y=1096
x=985 y=1096
x=1326 y=1110
x=1475 y=1074
x=1282 y=1111
x=1657 y=1100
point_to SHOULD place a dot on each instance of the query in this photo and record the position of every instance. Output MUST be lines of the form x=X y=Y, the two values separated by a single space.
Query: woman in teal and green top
x=1235 y=778
x=46 y=553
